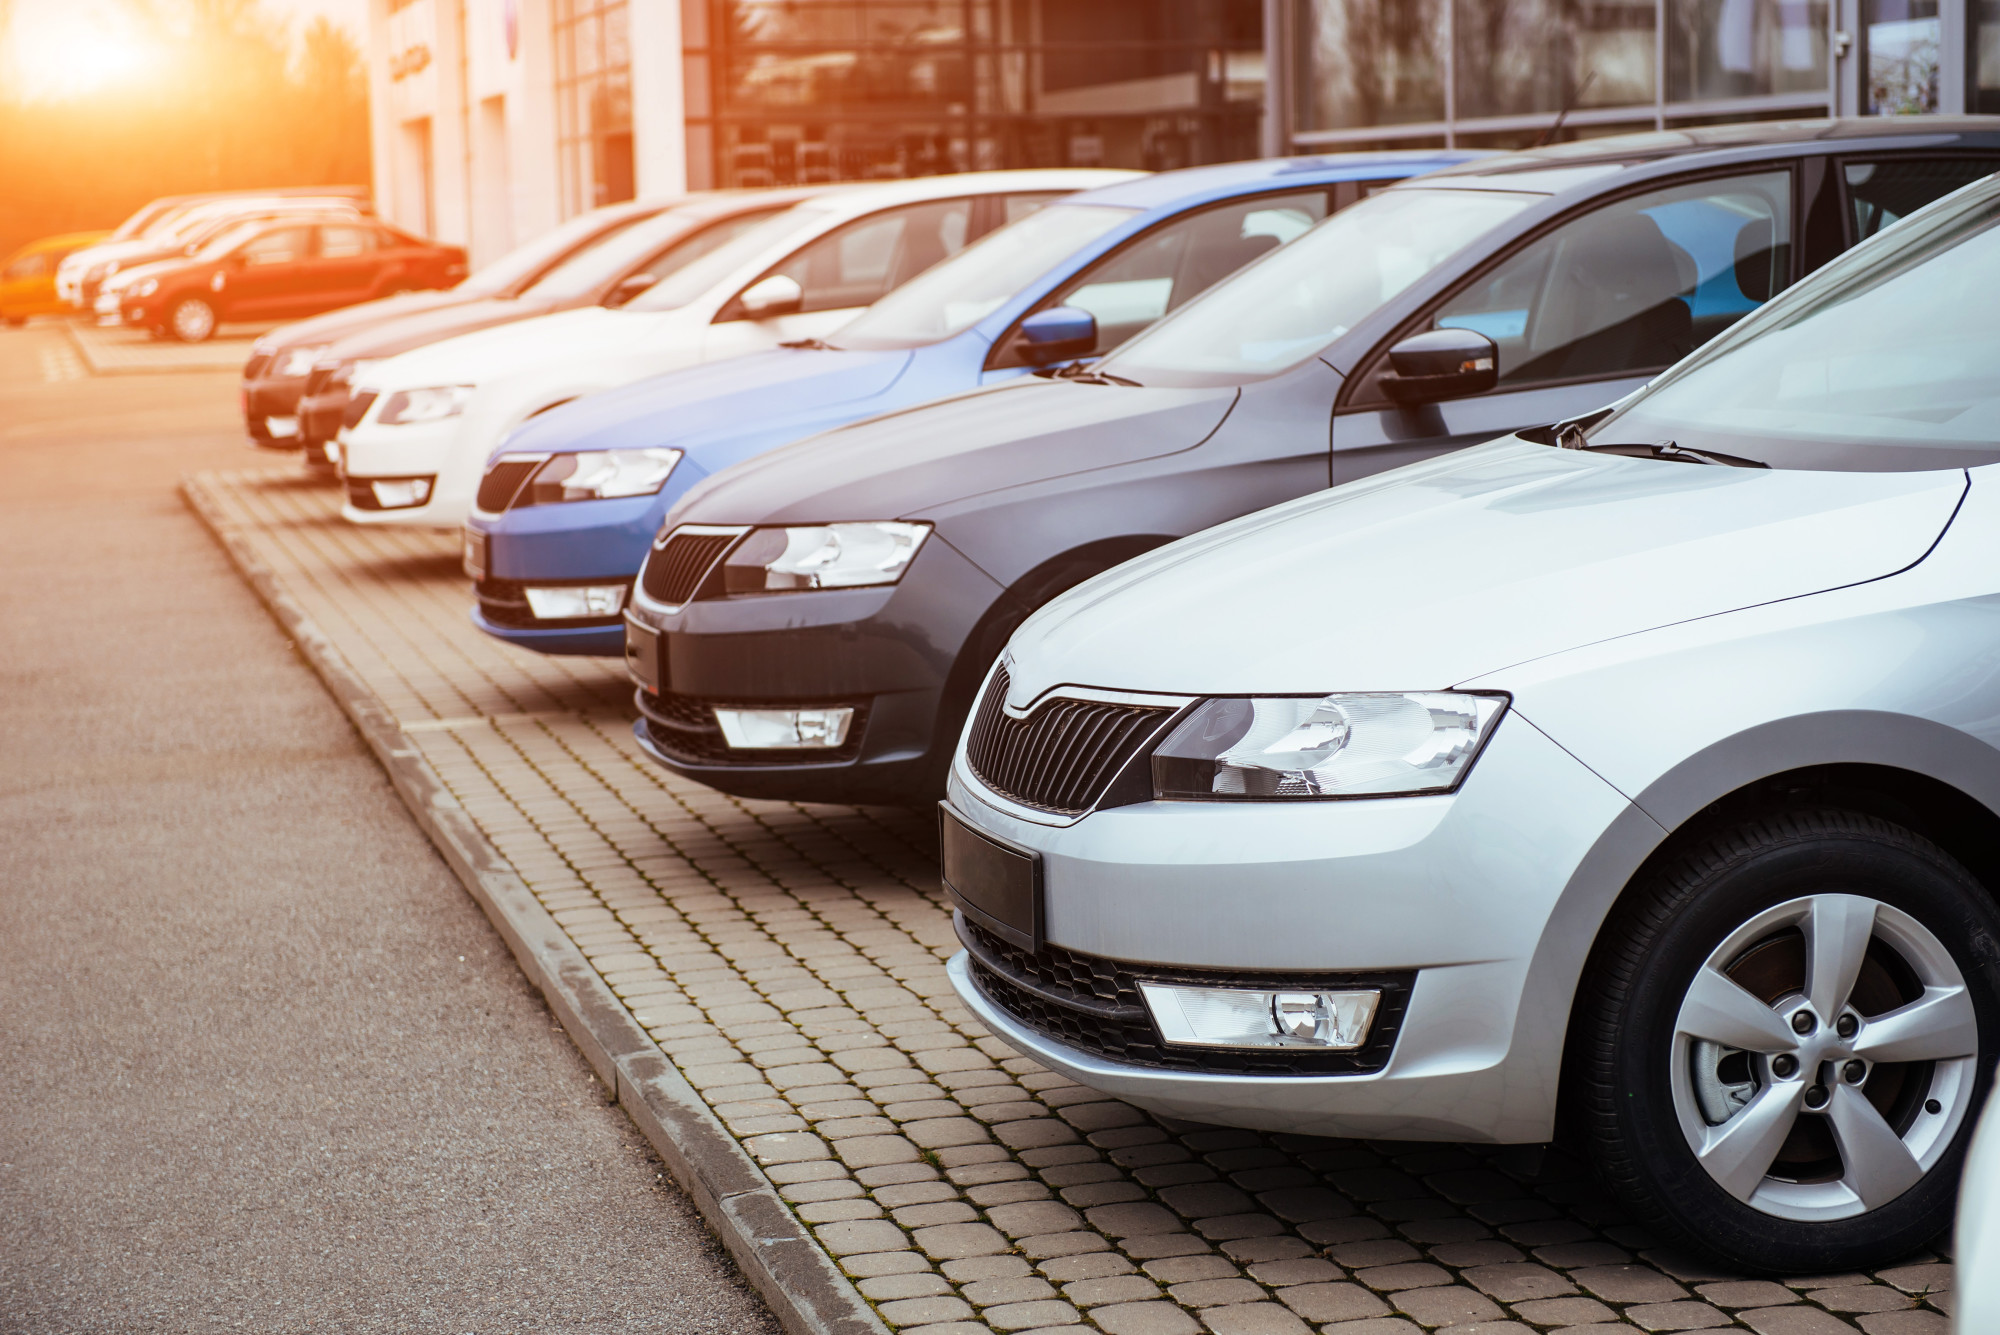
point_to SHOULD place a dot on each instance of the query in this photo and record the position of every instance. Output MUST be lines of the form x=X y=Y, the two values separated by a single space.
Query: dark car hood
x=905 y=464
x=721 y=412
x=348 y=320
x=419 y=329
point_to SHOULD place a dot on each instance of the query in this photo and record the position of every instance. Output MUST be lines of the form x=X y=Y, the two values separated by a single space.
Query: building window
x=792 y=91
x=594 y=102
x=1745 y=48
x=1903 y=40
x=1984 y=58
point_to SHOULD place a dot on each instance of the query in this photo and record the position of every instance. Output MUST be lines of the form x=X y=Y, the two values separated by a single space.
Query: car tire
x=192 y=320
x=1783 y=1040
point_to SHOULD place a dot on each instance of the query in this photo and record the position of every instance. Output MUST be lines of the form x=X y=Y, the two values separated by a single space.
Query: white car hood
x=590 y=333
x=1435 y=574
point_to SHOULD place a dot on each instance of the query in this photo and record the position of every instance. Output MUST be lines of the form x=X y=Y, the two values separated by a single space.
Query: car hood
x=904 y=465
x=336 y=325
x=1442 y=572
x=706 y=410
x=399 y=333
x=492 y=354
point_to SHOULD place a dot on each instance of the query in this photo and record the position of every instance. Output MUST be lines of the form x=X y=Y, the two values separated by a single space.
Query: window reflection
x=1515 y=56
x=1744 y=48
x=1370 y=62
x=1902 y=39
x=594 y=102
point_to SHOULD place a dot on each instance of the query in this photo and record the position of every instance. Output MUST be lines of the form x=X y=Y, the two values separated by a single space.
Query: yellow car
x=28 y=282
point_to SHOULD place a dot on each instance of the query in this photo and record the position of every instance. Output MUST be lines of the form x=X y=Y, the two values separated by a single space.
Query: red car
x=277 y=270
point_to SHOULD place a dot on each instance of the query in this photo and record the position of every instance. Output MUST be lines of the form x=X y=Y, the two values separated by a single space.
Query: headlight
x=1361 y=745
x=99 y=272
x=409 y=406
x=145 y=287
x=298 y=363
x=599 y=475
x=825 y=556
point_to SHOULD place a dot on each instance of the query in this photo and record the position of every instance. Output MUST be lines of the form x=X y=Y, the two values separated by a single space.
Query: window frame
x=1361 y=391
x=1002 y=355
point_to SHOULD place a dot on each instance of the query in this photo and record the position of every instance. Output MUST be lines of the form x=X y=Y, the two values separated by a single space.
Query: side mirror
x=776 y=295
x=1057 y=334
x=1442 y=364
x=627 y=288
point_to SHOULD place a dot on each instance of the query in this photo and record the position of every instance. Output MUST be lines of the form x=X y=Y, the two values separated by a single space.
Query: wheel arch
x=1933 y=779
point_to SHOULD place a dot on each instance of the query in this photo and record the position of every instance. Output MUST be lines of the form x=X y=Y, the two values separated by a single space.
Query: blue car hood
x=720 y=412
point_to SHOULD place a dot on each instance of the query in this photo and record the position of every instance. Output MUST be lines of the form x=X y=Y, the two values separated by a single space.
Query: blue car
x=570 y=503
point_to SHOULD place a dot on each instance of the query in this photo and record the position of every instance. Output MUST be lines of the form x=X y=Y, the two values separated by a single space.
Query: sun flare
x=69 y=48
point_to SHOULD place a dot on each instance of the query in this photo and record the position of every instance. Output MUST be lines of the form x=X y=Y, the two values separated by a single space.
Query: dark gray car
x=813 y=624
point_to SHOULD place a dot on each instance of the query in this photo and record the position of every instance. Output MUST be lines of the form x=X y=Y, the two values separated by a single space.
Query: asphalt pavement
x=263 y=1064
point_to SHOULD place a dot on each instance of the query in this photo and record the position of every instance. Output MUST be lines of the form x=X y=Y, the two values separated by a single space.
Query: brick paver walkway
x=122 y=351
x=790 y=959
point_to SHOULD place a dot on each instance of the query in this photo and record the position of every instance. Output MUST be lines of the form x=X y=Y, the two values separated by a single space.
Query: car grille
x=502 y=483
x=504 y=602
x=318 y=379
x=1061 y=757
x=683 y=727
x=1094 y=1004
x=674 y=571
x=357 y=408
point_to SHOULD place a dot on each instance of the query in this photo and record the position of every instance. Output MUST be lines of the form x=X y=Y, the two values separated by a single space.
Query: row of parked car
x=183 y=265
x=1439 y=646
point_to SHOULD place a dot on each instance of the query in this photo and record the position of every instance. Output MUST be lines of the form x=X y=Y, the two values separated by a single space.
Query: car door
x=846 y=269
x=265 y=277
x=1163 y=267
x=343 y=271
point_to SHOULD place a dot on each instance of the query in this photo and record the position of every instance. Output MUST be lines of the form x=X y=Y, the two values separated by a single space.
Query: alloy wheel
x=193 y=320
x=1824 y=1057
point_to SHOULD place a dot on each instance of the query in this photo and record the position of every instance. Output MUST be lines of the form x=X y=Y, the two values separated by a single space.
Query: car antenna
x=1575 y=94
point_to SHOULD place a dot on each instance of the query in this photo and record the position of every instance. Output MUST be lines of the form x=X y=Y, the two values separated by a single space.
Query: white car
x=1976 y=1240
x=1639 y=775
x=415 y=452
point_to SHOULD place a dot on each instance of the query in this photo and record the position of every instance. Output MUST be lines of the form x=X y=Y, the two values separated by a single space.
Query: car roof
x=863 y=197
x=1556 y=167
x=1174 y=187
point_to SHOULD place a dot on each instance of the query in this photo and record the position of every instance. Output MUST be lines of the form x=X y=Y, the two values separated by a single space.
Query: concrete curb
x=782 y=1261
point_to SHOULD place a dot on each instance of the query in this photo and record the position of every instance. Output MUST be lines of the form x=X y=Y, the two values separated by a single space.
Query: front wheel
x=1784 y=1039
x=192 y=320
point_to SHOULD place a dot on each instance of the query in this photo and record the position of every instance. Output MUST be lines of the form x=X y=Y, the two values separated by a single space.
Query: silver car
x=1639 y=774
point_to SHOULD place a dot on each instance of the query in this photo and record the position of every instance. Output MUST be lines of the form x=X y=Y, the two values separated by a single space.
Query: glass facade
x=1505 y=72
x=791 y=91
x=593 y=52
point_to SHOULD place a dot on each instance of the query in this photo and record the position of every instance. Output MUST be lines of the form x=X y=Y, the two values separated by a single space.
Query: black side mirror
x=1057 y=334
x=628 y=288
x=1441 y=364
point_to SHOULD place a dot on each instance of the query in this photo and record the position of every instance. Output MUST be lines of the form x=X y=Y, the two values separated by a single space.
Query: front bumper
x=266 y=399
x=1479 y=895
x=577 y=542
x=425 y=449
x=890 y=652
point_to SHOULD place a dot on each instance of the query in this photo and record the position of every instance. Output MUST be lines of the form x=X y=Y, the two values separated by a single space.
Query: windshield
x=686 y=284
x=509 y=275
x=1283 y=309
x=1884 y=361
x=229 y=238
x=662 y=245
x=972 y=284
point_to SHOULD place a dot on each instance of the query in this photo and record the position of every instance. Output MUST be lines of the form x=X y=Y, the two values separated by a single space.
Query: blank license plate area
x=1000 y=886
x=642 y=656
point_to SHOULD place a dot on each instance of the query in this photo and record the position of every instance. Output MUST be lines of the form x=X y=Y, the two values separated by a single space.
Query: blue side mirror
x=1057 y=334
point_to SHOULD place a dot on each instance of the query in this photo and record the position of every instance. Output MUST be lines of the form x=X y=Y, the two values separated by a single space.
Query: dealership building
x=493 y=120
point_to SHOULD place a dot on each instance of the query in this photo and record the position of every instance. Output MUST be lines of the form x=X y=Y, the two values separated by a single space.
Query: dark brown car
x=280 y=271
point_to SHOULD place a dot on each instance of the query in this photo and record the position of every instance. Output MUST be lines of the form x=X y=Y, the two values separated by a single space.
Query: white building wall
x=465 y=136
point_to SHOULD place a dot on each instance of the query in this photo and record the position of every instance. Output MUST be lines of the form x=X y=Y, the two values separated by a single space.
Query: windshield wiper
x=812 y=344
x=1571 y=437
x=1083 y=373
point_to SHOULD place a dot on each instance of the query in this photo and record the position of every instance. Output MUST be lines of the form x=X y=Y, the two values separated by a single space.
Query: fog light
x=590 y=600
x=1217 y=1017
x=282 y=428
x=785 y=729
x=402 y=493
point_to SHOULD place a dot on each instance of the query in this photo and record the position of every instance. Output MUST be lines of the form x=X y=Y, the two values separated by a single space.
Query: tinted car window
x=345 y=243
x=659 y=247
x=1158 y=272
x=280 y=247
x=855 y=264
x=1635 y=285
x=692 y=280
x=1879 y=193
x=1883 y=361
